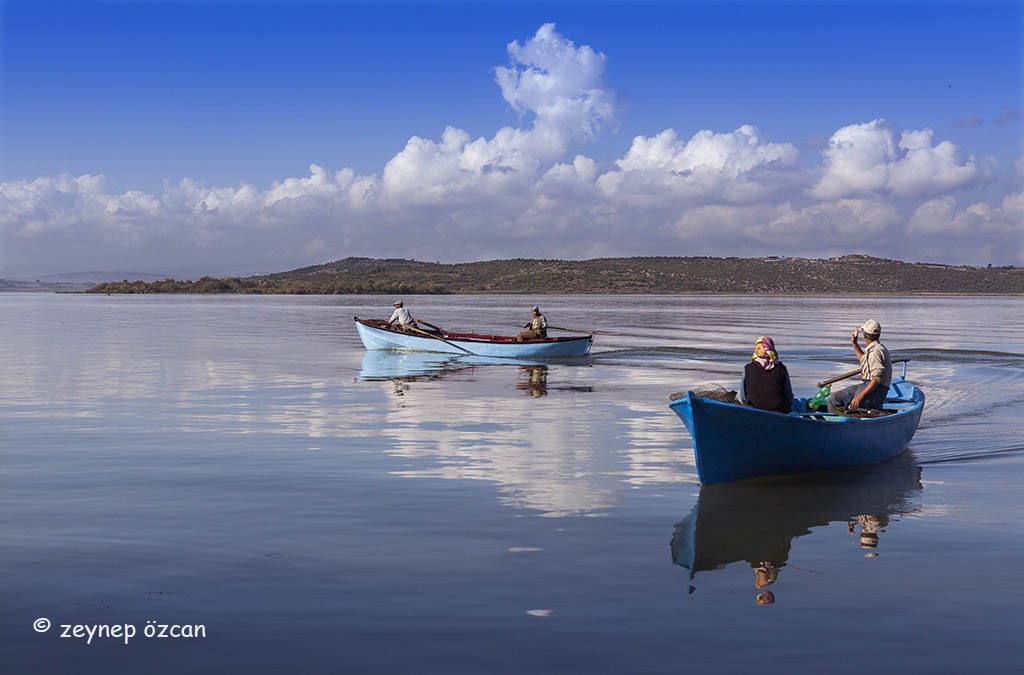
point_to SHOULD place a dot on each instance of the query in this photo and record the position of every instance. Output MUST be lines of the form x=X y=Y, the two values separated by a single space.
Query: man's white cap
x=398 y=303
x=871 y=327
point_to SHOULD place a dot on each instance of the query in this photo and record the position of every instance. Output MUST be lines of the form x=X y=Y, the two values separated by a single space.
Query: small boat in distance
x=377 y=334
x=735 y=442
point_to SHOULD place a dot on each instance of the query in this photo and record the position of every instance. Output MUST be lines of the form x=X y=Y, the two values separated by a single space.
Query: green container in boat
x=819 y=398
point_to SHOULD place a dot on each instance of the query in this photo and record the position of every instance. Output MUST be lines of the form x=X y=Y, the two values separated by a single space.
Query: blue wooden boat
x=735 y=442
x=376 y=334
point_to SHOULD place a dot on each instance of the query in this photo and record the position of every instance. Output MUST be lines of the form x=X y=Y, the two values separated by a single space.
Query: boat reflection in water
x=408 y=366
x=757 y=521
x=383 y=364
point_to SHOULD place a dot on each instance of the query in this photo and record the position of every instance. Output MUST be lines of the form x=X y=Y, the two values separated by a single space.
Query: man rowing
x=875 y=373
x=537 y=327
x=402 y=318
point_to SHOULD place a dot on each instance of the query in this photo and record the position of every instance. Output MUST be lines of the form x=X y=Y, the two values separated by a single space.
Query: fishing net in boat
x=710 y=390
x=861 y=412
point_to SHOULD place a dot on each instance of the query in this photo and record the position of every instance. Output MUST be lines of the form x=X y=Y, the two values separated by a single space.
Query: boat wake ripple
x=661 y=353
x=971 y=456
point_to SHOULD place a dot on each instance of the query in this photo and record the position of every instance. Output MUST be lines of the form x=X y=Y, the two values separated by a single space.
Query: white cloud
x=518 y=194
x=562 y=86
x=320 y=183
x=559 y=83
x=814 y=229
x=734 y=167
x=857 y=219
x=868 y=159
x=980 y=232
x=941 y=217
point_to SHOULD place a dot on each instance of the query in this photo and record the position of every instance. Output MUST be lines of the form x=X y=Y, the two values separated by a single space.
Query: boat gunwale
x=474 y=338
x=917 y=401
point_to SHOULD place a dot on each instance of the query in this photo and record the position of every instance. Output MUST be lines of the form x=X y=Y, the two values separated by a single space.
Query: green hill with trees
x=847 y=274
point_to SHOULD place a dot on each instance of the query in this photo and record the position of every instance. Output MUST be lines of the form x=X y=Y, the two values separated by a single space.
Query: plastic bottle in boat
x=819 y=398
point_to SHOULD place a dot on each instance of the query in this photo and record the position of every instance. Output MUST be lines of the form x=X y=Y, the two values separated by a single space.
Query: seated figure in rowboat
x=766 y=382
x=537 y=327
x=402 y=318
x=875 y=373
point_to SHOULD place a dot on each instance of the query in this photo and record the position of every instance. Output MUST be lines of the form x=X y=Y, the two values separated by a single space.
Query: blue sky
x=183 y=117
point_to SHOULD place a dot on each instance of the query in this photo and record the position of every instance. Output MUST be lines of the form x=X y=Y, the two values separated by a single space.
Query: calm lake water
x=243 y=464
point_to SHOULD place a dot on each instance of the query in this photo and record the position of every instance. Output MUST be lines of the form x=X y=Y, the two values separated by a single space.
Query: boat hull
x=734 y=442
x=379 y=338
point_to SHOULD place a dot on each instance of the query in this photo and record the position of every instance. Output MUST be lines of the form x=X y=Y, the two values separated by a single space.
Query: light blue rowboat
x=734 y=442
x=376 y=334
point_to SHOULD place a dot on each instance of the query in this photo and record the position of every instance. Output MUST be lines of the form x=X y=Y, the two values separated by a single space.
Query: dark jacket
x=767 y=389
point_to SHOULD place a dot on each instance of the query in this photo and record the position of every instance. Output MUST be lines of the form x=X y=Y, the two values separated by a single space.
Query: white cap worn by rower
x=535 y=309
x=398 y=303
x=871 y=327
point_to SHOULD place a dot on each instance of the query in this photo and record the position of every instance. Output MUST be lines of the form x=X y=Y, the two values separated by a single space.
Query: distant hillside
x=99 y=276
x=19 y=286
x=73 y=282
x=848 y=274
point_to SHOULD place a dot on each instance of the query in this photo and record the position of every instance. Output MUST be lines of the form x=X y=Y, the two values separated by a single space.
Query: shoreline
x=583 y=293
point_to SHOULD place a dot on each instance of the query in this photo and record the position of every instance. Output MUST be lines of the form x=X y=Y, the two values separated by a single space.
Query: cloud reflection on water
x=558 y=438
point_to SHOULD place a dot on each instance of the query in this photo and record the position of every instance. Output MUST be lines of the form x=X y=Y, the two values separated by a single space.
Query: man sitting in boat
x=402 y=317
x=765 y=382
x=875 y=373
x=537 y=327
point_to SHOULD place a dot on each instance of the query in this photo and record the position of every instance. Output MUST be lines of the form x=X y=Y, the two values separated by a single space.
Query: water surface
x=243 y=463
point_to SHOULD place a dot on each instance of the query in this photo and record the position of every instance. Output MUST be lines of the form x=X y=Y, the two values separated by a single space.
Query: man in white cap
x=875 y=372
x=537 y=327
x=402 y=317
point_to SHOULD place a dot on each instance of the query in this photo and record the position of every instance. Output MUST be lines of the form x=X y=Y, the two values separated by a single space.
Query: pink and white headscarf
x=771 y=357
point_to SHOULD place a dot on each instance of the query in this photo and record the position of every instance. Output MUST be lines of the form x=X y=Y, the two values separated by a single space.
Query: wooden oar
x=430 y=325
x=592 y=332
x=431 y=335
x=439 y=330
x=851 y=374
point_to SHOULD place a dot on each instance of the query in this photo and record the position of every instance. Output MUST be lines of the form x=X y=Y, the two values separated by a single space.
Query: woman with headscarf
x=765 y=379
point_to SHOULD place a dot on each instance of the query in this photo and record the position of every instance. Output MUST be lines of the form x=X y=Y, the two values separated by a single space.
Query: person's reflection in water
x=870 y=527
x=535 y=380
x=766 y=572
